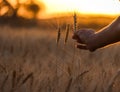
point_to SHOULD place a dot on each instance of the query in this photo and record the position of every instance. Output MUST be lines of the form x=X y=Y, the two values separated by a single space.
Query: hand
x=89 y=40
x=83 y=38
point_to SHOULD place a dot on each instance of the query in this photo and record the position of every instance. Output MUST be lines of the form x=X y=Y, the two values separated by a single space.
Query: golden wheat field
x=31 y=61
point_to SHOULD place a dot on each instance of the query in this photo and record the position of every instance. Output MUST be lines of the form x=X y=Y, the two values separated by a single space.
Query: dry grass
x=29 y=63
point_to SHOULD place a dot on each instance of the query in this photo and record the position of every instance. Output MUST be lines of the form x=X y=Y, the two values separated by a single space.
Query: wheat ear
x=67 y=34
x=75 y=21
x=58 y=35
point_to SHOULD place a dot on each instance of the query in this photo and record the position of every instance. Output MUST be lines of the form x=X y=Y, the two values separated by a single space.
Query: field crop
x=31 y=61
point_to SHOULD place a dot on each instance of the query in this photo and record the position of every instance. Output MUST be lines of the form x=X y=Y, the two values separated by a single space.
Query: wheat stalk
x=3 y=68
x=58 y=35
x=74 y=30
x=26 y=78
x=111 y=83
x=13 y=79
x=4 y=83
x=67 y=34
x=69 y=85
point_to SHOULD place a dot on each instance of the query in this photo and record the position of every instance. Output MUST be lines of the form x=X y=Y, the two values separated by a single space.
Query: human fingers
x=82 y=47
x=75 y=37
x=79 y=36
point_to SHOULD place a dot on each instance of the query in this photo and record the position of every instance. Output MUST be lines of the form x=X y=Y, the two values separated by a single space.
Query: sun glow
x=83 y=6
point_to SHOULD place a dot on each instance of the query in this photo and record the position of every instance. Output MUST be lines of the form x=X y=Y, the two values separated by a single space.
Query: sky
x=82 y=6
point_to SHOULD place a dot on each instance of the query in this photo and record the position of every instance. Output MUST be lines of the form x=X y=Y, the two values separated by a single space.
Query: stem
x=75 y=27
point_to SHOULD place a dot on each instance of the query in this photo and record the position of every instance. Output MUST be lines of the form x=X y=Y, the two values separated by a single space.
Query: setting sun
x=83 y=6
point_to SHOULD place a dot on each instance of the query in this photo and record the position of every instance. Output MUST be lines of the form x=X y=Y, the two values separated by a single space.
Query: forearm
x=105 y=36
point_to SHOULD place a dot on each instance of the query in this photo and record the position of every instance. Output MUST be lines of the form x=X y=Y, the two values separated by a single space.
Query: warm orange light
x=66 y=6
x=83 y=6
x=0 y=1
x=25 y=13
x=3 y=10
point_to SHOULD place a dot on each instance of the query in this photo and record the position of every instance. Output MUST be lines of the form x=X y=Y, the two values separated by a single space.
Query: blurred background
x=20 y=12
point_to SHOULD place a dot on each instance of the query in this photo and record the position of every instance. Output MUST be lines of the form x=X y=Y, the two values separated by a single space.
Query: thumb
x=82 y=47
